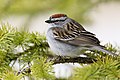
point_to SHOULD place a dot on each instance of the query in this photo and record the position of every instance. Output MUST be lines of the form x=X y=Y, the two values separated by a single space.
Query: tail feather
x=101 y=48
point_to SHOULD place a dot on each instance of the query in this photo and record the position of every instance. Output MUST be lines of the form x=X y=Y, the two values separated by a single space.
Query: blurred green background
x=77 y=9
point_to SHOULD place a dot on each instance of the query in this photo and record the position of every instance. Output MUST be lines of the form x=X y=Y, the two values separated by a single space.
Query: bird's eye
x=57 y=21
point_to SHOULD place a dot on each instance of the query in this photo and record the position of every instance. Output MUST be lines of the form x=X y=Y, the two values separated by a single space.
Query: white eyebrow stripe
x=61 y=18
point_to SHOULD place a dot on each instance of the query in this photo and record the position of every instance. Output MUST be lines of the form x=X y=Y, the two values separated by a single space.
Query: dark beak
x=48 y=21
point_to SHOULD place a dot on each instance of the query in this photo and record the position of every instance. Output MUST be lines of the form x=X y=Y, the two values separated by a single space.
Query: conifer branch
x=61 y=59
x=58 y=59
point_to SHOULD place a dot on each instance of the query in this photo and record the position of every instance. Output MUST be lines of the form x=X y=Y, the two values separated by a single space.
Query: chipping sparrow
x=66 y=37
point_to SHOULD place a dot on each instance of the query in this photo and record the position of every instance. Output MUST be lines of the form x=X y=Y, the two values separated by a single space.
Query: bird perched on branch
x=66 y=37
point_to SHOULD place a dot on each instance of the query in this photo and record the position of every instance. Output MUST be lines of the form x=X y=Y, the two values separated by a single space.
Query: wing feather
x=75 y=35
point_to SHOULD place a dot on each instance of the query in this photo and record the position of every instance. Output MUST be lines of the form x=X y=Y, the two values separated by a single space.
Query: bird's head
x=57 y=20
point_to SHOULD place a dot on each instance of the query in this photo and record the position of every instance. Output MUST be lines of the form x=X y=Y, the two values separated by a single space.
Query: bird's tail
x=101 y=48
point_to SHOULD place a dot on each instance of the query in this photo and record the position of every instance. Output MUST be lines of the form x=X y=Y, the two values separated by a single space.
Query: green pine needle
x=42 y=70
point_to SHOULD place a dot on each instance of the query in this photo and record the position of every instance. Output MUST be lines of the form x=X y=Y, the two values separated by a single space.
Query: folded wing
x=75 y=35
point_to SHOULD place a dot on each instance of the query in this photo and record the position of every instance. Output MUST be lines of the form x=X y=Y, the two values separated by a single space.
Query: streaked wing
x=62 y=34
x=84 y=40
x=74 y=26
x=74 y=37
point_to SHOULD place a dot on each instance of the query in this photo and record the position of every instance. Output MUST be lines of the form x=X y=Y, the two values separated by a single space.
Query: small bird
x=66 y=37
